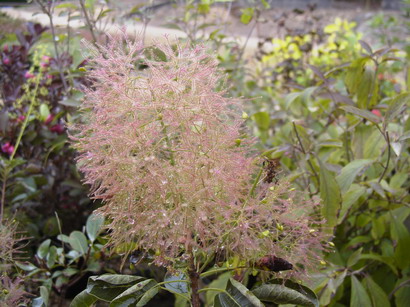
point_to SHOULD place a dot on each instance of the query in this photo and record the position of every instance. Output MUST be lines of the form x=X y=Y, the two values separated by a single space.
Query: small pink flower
x=58 y=128
x=49 y=119
x=21 y=118
x=7 y=148
x=377 y=112
x=45 y=58
x=6 y=61
x=49 y=76
x=29 y=75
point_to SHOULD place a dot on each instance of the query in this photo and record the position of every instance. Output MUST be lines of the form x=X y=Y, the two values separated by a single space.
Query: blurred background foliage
x=328 y=103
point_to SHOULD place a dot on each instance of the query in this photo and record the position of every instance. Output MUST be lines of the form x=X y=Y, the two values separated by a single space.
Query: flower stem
x=194 y=277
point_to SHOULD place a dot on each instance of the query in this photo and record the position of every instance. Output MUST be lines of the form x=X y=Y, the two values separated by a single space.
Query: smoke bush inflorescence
x=167 y=154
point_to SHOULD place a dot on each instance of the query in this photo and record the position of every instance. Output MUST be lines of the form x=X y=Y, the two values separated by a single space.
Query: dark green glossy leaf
x=83 y=299
x=93 y=226
x=107 y=287
x=237 y=296
x=131 y=296
x=177 y=286
x=280 y=291
x=78 y=242
x=43 y=249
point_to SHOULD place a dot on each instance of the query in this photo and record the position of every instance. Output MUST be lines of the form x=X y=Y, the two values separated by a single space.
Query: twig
x=246 y=41
x=304 y=151
x=48 y=10
x=398 y=288
x=90 y=24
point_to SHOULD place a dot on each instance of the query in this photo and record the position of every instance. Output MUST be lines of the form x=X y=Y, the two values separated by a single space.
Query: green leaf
x=149 y=295
x=395 y=107
x=43 y=300
x=349 y=199
x=43 y=249
x=44 y=112
x=404 y=136
x=93 y=226
x=247 y=15
x=402 y=296
x=377 y=295
x=78 y=242
x=237 y=296
x=290 y=98
x=67 y=6
x=51 y=256
x=401 y=235
x=331 y=143
x=280 y=291
x=26 y=266
x=177 y=286
x=83 y=299
x=373 y=145
x=362 y=113
x=262 y=120
x=386 y=260
x=219 y=283
x=359 y=296
x=350 y=171
x=63 y=238
x=354 y=258
x=359 y=81
x=366 y=47
x=330 y=195
x=132 y=295
x=398 y=180
x=38 y=302
x=69 y=102
x=109 y=286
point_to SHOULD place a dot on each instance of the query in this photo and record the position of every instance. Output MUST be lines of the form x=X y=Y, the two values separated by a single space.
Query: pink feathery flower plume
x=167 y=153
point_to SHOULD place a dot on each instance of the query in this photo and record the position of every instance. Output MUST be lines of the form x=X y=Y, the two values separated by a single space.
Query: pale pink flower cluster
x=167 y=154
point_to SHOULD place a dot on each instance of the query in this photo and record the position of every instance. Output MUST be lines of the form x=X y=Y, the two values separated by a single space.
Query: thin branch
x=90 y=24
x=48 y=10
x=304 y=151
x=246 y=41
x=398 y=288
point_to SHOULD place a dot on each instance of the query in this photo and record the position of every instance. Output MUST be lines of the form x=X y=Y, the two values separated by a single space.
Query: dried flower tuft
x=167 y=154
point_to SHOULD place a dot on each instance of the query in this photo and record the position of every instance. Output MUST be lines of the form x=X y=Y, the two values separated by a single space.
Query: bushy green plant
x=59 y=267
x=345 y=139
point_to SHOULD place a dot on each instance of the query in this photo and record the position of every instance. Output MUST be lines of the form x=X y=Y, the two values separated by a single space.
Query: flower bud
x=7 y=148
x=29 y=75
x=49 y=119
x=58 y=128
